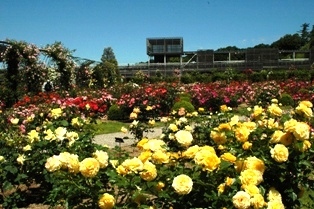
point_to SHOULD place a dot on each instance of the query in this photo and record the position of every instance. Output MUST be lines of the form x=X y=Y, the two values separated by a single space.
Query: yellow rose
x=218 y=137
x=287 y=139
x=276 y=137
x=27 y=148
x=160 y=185
x=133 y=115
x=271 y=123
x=142 y=142
x=121 y=170
x=173 y=127
x=257 y=201
x=102 y=158
x=242 y=133
x=72 y=137
x=207 y=159
x=279 y=153
x=194 y=113
x=254 y=163
x=64 y=158
x=76 y=122
x=229 y=181
x=149 y=172
x=304 y=108
x=191 y=151
x=133 y=165
x=273 y=195
x=221 y=188
x=30 y=118
x=106 y=201
x=289 y=125
x=89 y=167
x=55 y=113
x=201 y=109
x=151 y=122
x=69 y=161
x=302 y=131
x=257 y=111
x=251 y=189
x=247 y=145
x=49 y=135
x=306 y=145
x=188 y=128
x=114 y=163
x=182 y=184
x=274 y=109
x=228 y=157
x=134 y=123
x=160 y=157
x=136 y=110
x=224 y=108
x=224 y=127
x=53 y=163
x=306 y=103
x=184 y=137
x=60 y=133
x=33 y=135
x=124 y=130
x=239 y=165
x=241 y=200
x=275 y=205
x=250 y=125
x=148 y=108
x=234 y=120
x=14 y=121
x=144 y=156
x=251 y=176
x=154 y=145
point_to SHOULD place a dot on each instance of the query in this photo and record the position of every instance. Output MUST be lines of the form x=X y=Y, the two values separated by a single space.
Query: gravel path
x=110 y=139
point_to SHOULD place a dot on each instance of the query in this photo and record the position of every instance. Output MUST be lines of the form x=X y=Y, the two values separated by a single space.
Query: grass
x=107 y=127
x=110 y=126
x=307 y=199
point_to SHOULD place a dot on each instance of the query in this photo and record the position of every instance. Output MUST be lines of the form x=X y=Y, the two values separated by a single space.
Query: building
x=161 y=50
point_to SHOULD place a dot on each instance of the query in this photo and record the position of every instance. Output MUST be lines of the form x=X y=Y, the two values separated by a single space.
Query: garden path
x=128 y=139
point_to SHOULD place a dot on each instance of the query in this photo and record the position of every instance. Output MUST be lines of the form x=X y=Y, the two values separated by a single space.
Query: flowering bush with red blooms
x=159 y=96
x=212 y=95
x=90 y=103
x=299 y=90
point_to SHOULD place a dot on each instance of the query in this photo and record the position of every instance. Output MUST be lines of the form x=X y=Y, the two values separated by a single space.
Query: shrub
x=187 y=78
x=219 y=77
x=286 y=100
x=116 y=113
x=185 y=104
x=185 y=97
x=257 y=77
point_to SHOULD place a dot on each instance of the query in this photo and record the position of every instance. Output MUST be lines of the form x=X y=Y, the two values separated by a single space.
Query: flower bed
x=254 y=157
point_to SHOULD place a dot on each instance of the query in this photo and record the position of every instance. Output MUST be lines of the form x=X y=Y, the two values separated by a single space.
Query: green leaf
x=64 y=123
x=11 y=169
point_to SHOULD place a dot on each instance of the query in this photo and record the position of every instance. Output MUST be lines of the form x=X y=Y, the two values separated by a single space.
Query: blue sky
x=88 y=26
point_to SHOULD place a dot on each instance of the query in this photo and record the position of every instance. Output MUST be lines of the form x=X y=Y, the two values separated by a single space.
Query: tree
x=108 y=56
x=107 y=72
x=262 y=46
x=304 y=33
x=312 y=37
x=288 y=42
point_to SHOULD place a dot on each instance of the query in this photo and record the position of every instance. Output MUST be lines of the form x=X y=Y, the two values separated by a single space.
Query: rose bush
x=257 y=158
